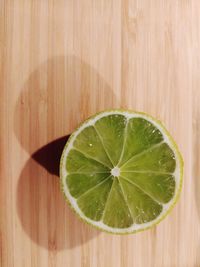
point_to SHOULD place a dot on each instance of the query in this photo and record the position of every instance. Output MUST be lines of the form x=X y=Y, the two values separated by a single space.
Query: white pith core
x=177 y=173
x=115 y=172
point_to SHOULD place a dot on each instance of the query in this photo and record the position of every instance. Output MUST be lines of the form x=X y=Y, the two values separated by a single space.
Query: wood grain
x=61 y=61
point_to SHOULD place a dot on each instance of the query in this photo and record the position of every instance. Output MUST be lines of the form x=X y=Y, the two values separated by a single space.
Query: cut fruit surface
x=121 y=171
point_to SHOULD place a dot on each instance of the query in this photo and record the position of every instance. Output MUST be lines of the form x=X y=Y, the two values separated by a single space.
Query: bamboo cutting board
x=62 y=61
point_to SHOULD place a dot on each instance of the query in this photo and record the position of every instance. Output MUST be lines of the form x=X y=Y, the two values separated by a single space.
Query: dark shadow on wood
x=49 y=155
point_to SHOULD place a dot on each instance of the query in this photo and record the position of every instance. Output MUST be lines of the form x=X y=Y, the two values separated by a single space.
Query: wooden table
x=62 y=61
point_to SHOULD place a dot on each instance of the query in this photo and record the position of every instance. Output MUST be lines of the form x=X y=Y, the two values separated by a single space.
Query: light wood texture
x=62 y=61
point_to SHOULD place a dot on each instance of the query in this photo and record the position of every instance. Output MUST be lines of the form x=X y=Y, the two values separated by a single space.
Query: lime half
x=121 y=171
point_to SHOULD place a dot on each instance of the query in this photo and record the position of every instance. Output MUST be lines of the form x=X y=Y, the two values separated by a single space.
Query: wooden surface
x=62 y=61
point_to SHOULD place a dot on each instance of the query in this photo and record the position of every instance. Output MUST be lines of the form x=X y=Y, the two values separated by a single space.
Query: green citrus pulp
x=121 y=171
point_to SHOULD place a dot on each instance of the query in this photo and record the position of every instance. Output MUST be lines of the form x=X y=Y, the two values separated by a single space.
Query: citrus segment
x=78 y=162
x=79 y=183
x=159 y=158
x=112 y=130
x=92 y=203
x=116 y=212
x=143 y=207
x=141 y=134
x=90 y=144
x=160 y=186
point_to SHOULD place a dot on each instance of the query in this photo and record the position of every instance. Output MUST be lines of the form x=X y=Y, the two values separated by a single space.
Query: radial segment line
x=142 y=153
x=89 y=157
x=130 y=182
x=103 y=145
x=124 y=142
x=107 y=200
x=126 y=199
x=68 y=173
x=104 y=180
x=149 y=172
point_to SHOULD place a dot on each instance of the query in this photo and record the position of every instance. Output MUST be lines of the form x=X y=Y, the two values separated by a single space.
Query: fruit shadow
x=57 y=96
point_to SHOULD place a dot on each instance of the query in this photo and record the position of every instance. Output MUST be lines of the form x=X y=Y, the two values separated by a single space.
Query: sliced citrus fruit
x=121 y=171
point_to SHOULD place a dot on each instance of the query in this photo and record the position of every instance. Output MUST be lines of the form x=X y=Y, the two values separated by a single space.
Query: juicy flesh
x=121 y=171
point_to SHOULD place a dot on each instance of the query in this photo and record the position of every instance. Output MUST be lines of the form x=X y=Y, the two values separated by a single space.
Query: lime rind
x=178 y=172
